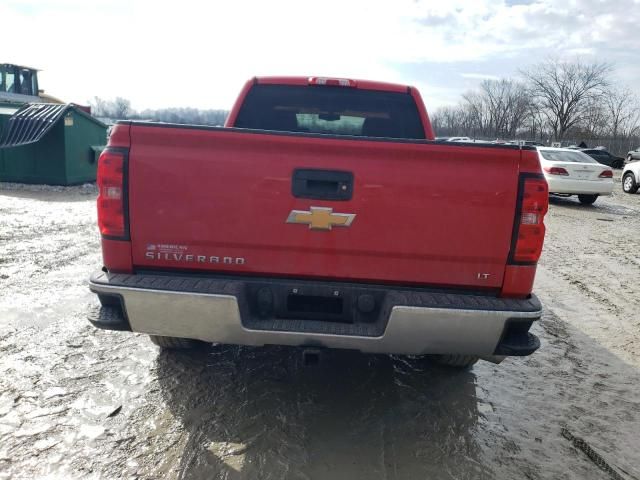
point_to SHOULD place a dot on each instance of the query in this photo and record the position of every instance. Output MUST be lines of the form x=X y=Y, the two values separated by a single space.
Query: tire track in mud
x=589 y=271
x=250 y=431
x=233 y=412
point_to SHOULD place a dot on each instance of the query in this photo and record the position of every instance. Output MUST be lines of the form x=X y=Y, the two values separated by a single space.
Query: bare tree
x=495 y=96
x=534 y=122
x=99 y=107
x=623 y=112
x=184 y=115
x=593 y=122
x=121 y=107
x=518 y=109
x=475 y=104
x=563 y=90
x=451 y=121
x=571 y=102
x=499 y=108
x=118 y=108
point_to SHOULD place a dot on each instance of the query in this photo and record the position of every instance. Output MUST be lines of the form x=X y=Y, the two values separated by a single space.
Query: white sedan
x=631 y=177
x=570 y=172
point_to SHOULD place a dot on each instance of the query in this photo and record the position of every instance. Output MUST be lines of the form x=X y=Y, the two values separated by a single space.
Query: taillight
x=333 y=82
x=555 y=171
x=606 y=174
x=112 y=194
x=529 y=235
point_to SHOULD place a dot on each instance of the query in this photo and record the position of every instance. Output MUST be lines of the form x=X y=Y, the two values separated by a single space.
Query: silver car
x=633 y=155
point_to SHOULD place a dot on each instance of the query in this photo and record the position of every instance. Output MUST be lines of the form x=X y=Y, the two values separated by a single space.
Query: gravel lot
x=76 y=402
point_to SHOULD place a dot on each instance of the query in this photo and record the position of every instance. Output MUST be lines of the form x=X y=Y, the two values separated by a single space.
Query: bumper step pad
x=109 y=318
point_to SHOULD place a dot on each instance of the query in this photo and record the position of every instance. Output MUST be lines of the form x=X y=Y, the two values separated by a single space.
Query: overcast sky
x=199 y=53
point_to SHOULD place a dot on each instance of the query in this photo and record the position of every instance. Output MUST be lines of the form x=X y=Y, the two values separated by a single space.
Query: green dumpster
x=50 y=144
x=7 y=109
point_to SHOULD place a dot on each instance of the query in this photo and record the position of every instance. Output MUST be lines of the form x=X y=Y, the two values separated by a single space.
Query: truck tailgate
x=207 y=199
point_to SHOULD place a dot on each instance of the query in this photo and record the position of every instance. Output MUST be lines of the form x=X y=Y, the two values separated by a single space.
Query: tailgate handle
x=322 y=184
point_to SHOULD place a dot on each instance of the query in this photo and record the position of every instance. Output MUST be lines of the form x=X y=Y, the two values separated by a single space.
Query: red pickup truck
x=323 y=214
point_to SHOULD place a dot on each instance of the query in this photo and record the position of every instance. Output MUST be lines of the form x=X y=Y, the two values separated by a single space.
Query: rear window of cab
x=331 y=110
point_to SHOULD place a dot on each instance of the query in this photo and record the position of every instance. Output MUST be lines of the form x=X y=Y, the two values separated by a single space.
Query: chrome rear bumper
x=410 y=321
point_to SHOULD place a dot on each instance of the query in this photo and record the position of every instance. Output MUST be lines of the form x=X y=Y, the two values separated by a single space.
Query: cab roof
x=19 y=66
x=357 y=83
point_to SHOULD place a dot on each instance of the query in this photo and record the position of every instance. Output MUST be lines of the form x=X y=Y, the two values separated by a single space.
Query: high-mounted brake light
x=606 y=174
x=333 y=82
x=555 y=171
x=111 y=194
x=530 y=225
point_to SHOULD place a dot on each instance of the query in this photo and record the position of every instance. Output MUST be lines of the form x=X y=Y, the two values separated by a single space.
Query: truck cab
x=18 y=83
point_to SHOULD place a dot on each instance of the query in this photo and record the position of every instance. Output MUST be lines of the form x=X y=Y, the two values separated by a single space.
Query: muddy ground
x=76 y=402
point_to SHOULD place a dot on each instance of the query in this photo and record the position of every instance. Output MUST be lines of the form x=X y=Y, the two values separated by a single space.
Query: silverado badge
x=320 y=218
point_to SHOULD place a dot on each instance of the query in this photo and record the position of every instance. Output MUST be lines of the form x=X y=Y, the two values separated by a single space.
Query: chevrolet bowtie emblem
x=320 y=218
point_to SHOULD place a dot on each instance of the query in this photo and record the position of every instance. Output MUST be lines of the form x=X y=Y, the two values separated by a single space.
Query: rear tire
x=587 y=199
x=174 y=343
x=629 y=184
x=455 y=361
